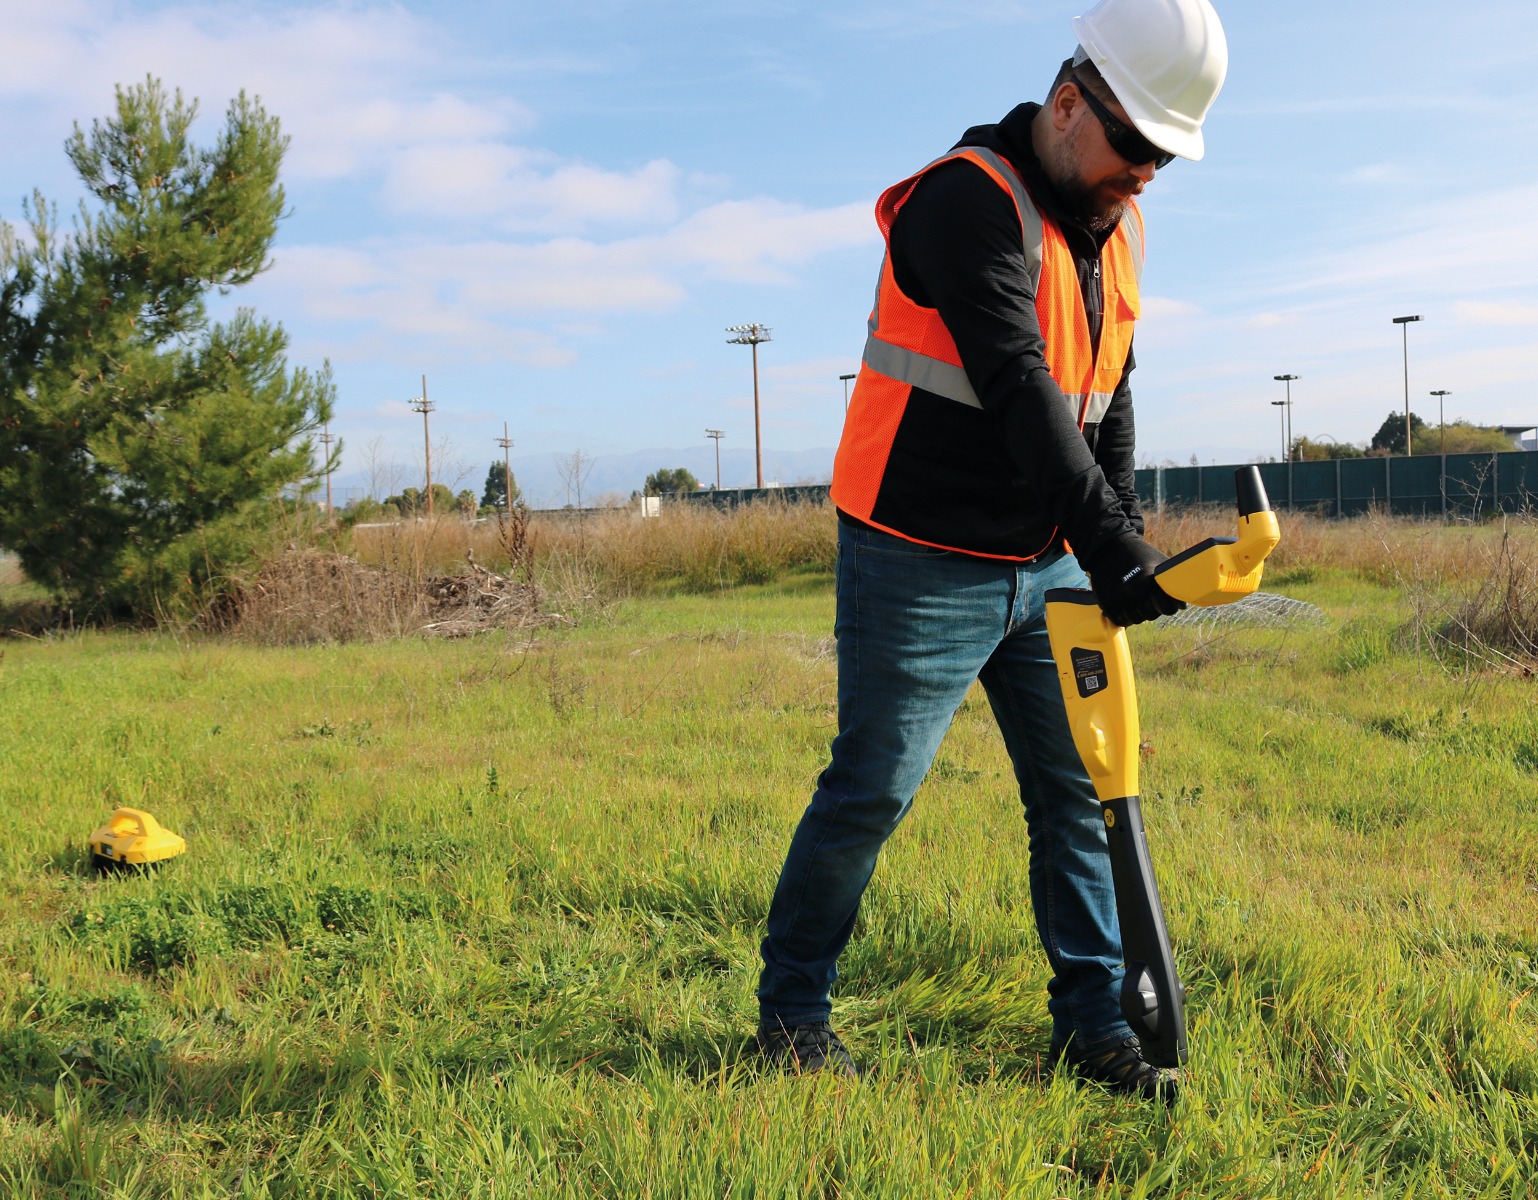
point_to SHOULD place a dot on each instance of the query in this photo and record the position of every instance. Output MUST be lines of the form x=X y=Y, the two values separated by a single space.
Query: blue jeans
x=915 y=627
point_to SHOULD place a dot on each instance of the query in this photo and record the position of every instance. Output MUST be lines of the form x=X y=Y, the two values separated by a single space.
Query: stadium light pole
x=1441 y=394
x=1282 y=404
x=1287 y=379
x=846 y=379
x=716 y=435
x=753 y=335
x=1404 y=328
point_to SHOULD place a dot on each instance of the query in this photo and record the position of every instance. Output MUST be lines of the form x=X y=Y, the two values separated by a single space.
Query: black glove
x=1122 y=575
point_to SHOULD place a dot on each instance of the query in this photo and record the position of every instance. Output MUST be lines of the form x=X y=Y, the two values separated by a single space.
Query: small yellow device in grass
x=133 y=839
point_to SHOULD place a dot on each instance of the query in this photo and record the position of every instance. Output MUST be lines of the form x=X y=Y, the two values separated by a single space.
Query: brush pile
x=305 y=596
x=477 y=600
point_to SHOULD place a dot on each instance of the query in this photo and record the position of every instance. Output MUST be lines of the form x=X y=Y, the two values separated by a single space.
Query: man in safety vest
x=987 y=457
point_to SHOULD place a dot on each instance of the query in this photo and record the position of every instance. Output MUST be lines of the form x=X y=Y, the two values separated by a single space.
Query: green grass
x=480 y=918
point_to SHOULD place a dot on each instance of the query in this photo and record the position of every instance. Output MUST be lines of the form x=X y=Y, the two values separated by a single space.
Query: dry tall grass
x=1385 y=549
x=1472 y=589
x=697 y=548
x=690 y=547
x=1450 y=572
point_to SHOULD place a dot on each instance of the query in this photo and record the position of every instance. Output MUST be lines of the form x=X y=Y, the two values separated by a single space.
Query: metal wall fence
x=814 y=493
x=1460 y=486
x=1456 y=486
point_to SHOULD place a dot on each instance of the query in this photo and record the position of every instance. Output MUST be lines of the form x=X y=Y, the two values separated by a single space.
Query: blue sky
x=553 y=210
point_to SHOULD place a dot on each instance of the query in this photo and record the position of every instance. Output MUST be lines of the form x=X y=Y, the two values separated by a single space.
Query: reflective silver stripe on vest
x=1134 y=232
x=1030 y=215
x=932 y=374
x=1098 y=403
x=941 y=378
x=920 y=371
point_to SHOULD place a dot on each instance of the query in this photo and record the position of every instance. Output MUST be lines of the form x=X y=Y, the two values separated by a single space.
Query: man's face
x=1094 y=182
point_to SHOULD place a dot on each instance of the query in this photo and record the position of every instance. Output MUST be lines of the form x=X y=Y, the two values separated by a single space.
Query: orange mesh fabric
x=1123 y=306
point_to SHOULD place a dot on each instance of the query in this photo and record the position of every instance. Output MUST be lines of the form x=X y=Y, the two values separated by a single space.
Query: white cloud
x=567 y=274
x=1168 y=308
x=1272 y=320
x=503 y=185
x=338 y=136
x=524 y=248
x=816 y=371
x=334 y=75
x=1483 y=312
x=1481 y=241
x=1379 y=175
x=476 y=292
x=929 y=17
x=753 y=241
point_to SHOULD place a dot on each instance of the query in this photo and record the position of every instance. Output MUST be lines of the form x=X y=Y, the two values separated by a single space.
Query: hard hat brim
x=1182 y=143
x=1169 y=129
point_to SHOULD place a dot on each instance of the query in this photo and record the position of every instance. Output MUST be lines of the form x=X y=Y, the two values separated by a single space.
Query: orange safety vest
x=909 y=347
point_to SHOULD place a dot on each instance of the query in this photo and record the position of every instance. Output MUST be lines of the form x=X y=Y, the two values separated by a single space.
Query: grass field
x=479 y=919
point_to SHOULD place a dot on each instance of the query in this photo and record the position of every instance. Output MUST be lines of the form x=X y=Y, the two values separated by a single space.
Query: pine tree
x=671 y=479
x=141 y=441
x=495 y=493
x=1390 y=438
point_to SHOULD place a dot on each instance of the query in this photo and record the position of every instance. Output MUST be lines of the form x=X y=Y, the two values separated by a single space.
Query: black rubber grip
x=1251 y=491
x=1071 y=596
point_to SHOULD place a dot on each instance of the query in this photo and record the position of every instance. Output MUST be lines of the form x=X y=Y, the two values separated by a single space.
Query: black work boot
x=805 y=1048
x=1120 y=1066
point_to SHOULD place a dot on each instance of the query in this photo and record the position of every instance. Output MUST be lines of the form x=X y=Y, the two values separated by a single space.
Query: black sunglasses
x=1121 y=137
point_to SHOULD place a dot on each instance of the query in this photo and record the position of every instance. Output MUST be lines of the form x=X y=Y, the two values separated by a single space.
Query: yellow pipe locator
x=133 y=839
x=1094 y=667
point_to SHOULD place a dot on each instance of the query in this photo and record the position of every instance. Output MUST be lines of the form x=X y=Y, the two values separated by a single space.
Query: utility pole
x=1441 y=394
x=507 y=470
x=1404 y=328
x=325 y=440
x=424 y=406
x=752 y=335
x=846 y=379
x=716 y=435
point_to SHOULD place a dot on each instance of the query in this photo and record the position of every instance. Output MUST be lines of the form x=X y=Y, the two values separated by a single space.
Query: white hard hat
x=1164 y=59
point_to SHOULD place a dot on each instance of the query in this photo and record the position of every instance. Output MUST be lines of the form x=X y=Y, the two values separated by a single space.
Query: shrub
x=344 y=909
x=258 y=913
x=1497 y=618
x=25 y=1052
x=151 y=934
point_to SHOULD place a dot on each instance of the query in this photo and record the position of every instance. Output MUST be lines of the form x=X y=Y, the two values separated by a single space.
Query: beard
x=1098 y=207
x=1083 y=203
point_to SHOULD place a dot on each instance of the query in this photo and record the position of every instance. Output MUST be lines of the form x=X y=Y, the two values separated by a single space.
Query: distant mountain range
x=542 y=478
